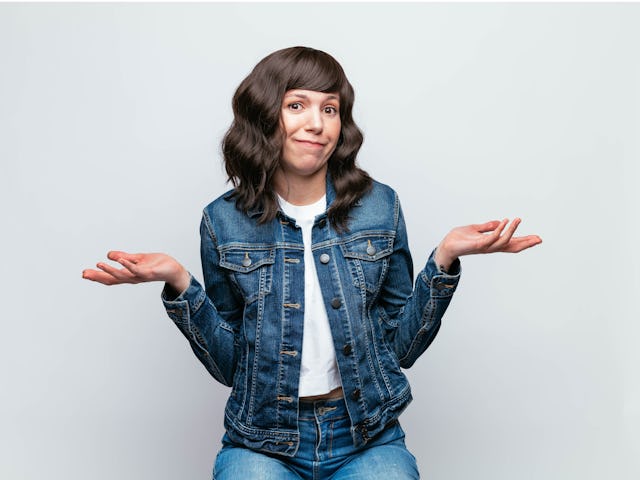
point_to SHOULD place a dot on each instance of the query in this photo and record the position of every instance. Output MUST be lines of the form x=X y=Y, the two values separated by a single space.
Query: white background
x=110 y=122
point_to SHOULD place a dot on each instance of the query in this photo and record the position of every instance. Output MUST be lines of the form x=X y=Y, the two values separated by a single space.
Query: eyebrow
x=305 y=97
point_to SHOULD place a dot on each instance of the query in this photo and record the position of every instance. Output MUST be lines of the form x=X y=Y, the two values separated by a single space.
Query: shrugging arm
x=412 y=318
x=209 y=317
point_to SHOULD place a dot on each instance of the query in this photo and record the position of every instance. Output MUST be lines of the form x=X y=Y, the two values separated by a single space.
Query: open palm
x=490 y=237
x=138 y=268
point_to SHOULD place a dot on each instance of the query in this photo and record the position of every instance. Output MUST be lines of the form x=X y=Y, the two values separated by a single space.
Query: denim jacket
x=245 y=325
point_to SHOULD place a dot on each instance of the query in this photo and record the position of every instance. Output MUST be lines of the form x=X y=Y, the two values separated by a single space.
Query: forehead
x=312 y=95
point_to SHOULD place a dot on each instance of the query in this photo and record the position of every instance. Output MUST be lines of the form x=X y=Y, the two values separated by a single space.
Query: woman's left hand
x=488 y=237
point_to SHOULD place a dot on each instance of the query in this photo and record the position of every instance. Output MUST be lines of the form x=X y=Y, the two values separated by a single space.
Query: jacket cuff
x=442 y=284
x=189 y=301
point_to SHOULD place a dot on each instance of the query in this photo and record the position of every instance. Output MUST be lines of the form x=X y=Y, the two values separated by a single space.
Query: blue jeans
x=326 y=452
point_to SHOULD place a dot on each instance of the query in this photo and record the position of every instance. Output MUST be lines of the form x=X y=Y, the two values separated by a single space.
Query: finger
x=117 y=254
x=100 y=277
x=493 y=237
x=518 y=244
x=504 y=239
x=486 y=227
x=129 y=265
x=123 y=275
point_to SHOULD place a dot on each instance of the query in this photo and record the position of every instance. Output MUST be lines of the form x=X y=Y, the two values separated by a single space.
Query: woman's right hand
x=140 y=267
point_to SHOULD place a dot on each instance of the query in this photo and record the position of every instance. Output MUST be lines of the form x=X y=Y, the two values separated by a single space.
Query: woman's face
x=311 y=126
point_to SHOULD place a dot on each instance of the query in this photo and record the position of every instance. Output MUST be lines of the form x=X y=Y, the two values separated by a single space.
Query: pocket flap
x=246 y=259
x=369 y=247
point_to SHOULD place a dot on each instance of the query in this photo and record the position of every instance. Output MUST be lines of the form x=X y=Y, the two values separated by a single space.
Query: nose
x=314 y=121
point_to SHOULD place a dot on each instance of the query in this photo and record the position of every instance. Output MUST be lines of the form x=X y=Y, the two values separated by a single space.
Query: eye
x=330 y=110
x=295 y=106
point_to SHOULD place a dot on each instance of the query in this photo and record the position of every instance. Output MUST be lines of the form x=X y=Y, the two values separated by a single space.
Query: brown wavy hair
x=253 y=144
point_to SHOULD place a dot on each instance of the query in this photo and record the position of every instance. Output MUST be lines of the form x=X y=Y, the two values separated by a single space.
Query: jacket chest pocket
x=250 y=269
x=368 y=259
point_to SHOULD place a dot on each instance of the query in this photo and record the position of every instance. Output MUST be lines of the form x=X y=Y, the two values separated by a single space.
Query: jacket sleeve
x=413 y=317
x=209 y=317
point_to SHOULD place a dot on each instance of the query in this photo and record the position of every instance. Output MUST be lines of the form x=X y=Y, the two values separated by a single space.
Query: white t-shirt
x=319 y=370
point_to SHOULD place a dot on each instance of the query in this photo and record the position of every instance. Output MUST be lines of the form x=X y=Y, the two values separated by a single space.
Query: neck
x=301 y=190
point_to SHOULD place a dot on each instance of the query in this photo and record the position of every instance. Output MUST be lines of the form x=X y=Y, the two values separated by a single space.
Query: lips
x=310 y=143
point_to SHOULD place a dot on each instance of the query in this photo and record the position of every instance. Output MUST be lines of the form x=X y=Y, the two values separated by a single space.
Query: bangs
x=252 y=147
x=316 y=70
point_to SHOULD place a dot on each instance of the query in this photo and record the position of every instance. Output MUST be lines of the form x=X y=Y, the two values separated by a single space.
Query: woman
x=309 y=311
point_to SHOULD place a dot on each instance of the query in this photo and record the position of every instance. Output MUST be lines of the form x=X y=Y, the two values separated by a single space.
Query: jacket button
x=371 y=250
x=324 y=258
x=336 y=303
x=356 y=394
x=246 y=261
x=347 y=349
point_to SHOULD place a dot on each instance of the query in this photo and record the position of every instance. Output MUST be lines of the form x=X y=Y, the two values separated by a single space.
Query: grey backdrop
x=110 y=121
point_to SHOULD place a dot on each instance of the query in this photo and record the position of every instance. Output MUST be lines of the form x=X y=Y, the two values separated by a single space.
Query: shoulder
x=380 y=196
x=225 y=203
x=379 y=188
x=228 y=224
x=377 y=209
x=224 y=210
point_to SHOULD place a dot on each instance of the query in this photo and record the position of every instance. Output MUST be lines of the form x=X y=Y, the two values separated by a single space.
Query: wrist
x=179 y=281
x=444 y=258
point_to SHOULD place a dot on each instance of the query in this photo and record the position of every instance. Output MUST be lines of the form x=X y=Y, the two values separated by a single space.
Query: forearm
x=419 y=321
x=210 y=336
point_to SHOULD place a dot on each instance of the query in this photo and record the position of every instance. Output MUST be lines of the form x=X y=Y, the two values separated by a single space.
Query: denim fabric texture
x=326 y=452
x=245 y=325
